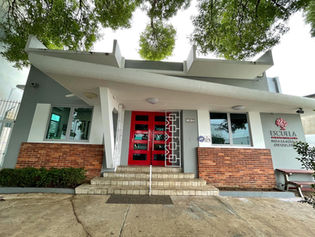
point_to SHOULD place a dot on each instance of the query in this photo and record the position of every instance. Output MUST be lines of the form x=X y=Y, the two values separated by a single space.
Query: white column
x=204 y=127
x=106 y=100
x=119 y=135
x=256 y=130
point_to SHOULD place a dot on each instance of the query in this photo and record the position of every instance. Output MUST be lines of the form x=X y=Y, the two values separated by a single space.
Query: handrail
x=150 y=183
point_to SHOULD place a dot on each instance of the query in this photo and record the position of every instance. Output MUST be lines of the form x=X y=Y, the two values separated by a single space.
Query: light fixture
x=152 y=100
x=90 y=95
x=238 y=107
x=34 y=84
x=300 y=111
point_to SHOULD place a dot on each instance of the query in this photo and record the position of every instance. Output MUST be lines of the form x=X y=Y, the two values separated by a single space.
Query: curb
x=13 y=190
x=258 y=194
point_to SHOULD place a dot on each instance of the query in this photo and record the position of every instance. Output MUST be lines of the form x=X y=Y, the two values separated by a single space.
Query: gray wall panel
x=189 y=141
x=50 y=92
x=125 y=140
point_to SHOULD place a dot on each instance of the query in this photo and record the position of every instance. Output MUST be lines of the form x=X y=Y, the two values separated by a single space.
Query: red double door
x=147 y=139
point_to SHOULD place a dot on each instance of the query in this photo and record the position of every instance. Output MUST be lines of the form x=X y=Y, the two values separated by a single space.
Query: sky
x=294 y=57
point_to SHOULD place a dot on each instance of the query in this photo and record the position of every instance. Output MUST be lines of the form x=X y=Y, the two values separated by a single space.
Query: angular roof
x=82 y=75
x=193 y=66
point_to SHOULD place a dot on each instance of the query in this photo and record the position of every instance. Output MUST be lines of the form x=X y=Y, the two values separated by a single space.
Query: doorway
x=147 y=139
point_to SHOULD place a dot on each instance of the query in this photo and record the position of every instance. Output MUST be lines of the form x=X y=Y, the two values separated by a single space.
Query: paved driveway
x=67 y=215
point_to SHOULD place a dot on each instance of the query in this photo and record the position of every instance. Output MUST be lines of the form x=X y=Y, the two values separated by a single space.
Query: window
x=70 y=124
x=229 y=128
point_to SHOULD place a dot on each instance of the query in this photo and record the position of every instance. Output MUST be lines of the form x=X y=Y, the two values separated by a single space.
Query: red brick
x=236 y=167
x=60 y=155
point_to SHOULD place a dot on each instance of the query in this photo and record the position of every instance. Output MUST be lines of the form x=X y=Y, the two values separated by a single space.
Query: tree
x=310 y=16
x=238 y=29
x=157 y=41
x=307 y=155
x=70 y=24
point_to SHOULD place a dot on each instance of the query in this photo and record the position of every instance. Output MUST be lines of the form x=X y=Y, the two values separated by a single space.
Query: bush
x=32 y=177
x=306 y=153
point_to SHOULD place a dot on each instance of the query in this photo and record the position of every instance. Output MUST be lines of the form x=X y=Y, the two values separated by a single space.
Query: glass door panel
x=147 y=139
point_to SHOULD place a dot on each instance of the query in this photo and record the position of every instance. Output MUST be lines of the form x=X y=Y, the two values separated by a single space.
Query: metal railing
x=8 y=112
x=150 y=183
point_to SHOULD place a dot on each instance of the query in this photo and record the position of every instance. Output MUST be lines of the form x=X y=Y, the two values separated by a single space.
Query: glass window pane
x=240 y=131
x=159 y=127
x=139 y=146
x=159 y=118
x=142 y=117
x=143 y=127
x=160 y=157
x=159 y=137
x=58 y=123
x=159 y=147
x=81 y=123
x=219 y=128
x=141 y=136
x=139 y=156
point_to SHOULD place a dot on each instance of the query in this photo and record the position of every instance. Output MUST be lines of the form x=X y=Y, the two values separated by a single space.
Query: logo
x=280 y=122
x=204 y=139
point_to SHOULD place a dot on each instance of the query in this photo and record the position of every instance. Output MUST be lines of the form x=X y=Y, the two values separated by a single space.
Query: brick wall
x=236 y=167
x=60 y=155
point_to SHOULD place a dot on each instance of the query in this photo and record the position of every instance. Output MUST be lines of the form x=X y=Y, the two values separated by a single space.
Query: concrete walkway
x=67 y=215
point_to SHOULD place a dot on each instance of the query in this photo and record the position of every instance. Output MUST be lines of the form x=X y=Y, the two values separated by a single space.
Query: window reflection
x=219 y=128
x=240 y=129
x=58 y=123
x=81 y=121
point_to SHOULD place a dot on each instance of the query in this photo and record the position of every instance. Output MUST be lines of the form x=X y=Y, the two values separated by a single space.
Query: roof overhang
x=227 y=68
x=193 y=66
x=132 y=87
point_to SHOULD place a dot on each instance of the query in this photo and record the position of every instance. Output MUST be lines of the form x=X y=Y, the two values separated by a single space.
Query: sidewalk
x=67 y=215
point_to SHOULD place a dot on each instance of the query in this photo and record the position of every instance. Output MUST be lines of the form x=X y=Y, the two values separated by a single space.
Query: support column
x=256 y=130
x=107 y=106
x=119 y=135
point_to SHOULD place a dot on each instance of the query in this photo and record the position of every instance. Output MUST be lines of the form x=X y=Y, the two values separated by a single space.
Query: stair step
x=154 y=175
x=146 y=169
x=141 y=190
x=145 y=182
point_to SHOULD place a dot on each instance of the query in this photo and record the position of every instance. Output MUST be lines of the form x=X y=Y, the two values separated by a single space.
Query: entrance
x=147 y=139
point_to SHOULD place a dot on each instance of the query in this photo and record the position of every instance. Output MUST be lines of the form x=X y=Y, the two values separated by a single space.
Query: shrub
x=32 y=177
x=307 y=155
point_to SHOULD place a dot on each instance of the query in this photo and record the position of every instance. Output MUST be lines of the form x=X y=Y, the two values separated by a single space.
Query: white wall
x=256 y=130
x=204 y=126
x=254 y=123
x=39 y=125
x=40 y=119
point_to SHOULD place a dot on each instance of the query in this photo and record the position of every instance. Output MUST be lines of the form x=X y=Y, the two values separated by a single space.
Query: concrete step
x=154 y=175
x=146 y=169
x=207 y=190
x=145 y=182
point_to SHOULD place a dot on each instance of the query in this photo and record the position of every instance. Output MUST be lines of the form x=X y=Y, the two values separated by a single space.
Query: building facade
x=225 y=121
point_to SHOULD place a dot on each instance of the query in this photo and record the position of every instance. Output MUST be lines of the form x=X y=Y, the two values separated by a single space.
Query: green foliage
x=165 y=9
x=307 y=155
x=157 y=41
x=32 y=177
x=70 y=24
x=310 y=16
x=237 y=29
x=115 y=13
